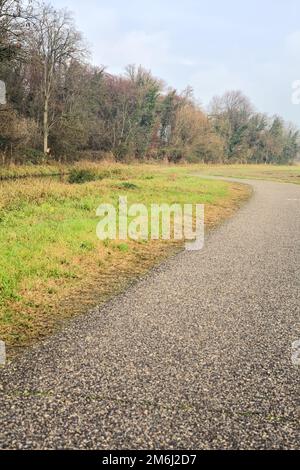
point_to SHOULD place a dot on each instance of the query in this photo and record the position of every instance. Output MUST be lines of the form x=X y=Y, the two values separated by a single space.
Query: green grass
x=51 y=263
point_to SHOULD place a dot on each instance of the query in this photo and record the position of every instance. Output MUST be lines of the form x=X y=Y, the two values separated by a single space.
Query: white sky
x=212 y=45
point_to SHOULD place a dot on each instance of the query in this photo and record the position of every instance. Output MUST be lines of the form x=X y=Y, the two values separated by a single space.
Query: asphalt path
x=195 y=355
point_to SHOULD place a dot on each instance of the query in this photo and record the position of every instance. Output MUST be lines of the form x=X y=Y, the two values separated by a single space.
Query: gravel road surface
x=196 y=355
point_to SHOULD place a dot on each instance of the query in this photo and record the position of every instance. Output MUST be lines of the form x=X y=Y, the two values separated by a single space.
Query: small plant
x=123 y=247
x=128 y=185
x=87 y=246
x=33 y=156
x=80 y=176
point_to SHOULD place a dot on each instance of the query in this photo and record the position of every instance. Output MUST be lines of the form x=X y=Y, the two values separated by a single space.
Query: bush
x=33 y=156
x=175 y=155
x=80 y=176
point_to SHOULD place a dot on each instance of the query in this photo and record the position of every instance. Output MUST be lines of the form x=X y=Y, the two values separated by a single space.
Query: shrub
x=33 y=156
x=80 y=176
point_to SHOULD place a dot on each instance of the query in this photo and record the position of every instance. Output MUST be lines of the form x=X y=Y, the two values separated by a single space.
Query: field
x=281 y=173
x=52 y=265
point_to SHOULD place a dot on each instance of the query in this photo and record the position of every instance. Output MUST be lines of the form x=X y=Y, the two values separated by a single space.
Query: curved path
x=196 y=355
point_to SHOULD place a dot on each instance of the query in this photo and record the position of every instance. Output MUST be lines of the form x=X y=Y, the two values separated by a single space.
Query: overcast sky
x=212 y=45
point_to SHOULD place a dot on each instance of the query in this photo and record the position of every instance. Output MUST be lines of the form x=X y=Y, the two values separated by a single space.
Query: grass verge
x=52 y=266
x=280 y=173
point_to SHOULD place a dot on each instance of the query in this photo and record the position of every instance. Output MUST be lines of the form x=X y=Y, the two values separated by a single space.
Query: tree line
x=61 y=107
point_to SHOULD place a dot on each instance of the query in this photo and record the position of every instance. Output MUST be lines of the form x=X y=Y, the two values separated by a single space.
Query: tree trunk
x=46 y=126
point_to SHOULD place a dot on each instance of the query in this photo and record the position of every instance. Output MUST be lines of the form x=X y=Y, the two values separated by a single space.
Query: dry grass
x=280 y=173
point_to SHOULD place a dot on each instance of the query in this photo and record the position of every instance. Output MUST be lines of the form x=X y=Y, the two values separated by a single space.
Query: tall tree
x=53 y=41
x=231 y=114
x=15 y=18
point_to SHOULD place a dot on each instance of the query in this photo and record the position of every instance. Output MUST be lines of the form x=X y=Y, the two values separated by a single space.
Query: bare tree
x=234 y=105
x=15 y=18
x=53 y=41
